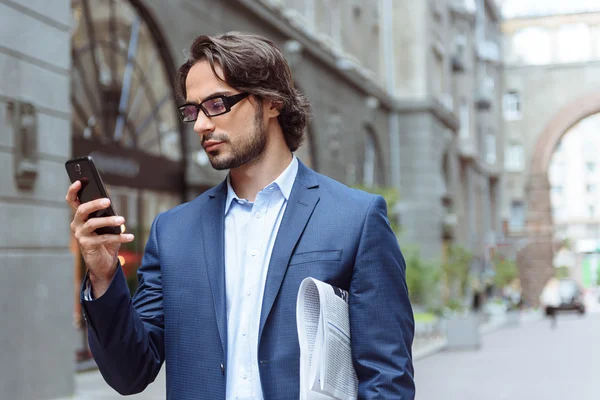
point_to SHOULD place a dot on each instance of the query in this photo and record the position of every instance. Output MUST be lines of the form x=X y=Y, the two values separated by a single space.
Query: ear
x=273 y=108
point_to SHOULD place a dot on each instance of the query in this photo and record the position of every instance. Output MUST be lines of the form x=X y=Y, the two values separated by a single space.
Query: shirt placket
x=252 y=276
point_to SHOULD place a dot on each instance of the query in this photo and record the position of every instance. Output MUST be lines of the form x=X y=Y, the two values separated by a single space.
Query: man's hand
x=99 y=251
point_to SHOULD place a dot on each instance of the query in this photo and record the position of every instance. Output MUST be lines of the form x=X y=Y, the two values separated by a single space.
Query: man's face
x=233 y=139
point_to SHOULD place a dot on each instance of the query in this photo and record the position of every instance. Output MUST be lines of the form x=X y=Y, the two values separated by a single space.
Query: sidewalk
x=91 y=385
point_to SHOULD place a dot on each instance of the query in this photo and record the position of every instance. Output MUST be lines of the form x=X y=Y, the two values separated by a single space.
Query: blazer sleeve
x=381 y=317
x=126 y=336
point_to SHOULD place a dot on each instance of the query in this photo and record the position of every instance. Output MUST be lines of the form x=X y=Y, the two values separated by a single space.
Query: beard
x=248 y=150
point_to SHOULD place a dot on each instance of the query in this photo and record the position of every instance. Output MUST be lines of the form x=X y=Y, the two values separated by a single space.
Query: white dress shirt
x=250 y=231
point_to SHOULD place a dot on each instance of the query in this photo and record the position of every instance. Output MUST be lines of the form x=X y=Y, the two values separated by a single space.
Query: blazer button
x=222 y=369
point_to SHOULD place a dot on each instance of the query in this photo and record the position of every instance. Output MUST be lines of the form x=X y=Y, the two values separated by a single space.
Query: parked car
x=562 y=295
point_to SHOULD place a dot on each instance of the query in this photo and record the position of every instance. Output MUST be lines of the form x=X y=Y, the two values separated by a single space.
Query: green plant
x=424 y=317
x=455 y=274
x=422 y=278
x=506 y=272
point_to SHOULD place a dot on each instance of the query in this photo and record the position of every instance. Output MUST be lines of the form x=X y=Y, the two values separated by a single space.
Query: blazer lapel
x=213 y=243
x=301 y=204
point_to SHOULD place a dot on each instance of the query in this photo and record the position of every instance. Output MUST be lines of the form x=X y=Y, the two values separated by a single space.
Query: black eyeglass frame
x=228 y=102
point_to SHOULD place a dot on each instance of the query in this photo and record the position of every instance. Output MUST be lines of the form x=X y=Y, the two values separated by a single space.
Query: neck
x=249 y=179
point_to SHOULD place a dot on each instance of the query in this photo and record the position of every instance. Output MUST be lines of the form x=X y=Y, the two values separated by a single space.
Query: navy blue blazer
x=330 y=232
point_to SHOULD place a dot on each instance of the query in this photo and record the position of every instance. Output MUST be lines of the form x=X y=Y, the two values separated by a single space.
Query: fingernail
x=129 y=237
x=105 y=202
x=119 y=220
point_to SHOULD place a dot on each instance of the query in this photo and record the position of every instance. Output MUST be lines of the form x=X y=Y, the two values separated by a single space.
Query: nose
x=203 y=124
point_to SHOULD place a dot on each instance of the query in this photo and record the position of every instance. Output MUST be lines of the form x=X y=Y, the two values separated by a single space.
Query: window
x=591 y=211
x=465 y=119
x=558 y=189
x=574 y=43
x=532 y=45
x=369 y=165
x=515 y=158
x=590 y=166
x=517 y=215
x=512 y=105
x=590 y=188
x=490 y=148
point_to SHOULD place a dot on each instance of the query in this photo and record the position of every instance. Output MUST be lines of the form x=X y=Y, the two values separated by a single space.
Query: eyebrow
x=212 y=95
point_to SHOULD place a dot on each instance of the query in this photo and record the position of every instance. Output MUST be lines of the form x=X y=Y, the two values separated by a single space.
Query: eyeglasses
x=211 y=107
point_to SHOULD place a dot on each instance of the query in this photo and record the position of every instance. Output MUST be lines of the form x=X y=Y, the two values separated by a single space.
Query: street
x=532 y=361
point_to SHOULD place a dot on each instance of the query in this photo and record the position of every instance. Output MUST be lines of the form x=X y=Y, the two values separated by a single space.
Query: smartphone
x=83 y=169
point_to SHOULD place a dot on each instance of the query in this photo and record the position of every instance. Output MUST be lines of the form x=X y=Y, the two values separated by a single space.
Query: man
x=220 y=274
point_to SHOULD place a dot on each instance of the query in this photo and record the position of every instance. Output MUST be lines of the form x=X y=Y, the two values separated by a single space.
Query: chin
x=220 y=163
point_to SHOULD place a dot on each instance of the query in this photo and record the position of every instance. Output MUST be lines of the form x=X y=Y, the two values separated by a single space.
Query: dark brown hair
x=253 y=64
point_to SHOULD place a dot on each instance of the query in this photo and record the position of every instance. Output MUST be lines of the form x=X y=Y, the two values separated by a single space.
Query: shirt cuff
x=87 y=292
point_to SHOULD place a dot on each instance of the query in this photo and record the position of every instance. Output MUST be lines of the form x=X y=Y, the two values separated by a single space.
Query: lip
x=211 y=145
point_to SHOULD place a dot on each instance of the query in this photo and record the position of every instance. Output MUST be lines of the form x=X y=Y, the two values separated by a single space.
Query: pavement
x=531 y=361
x=91 y=386
x=528 y=361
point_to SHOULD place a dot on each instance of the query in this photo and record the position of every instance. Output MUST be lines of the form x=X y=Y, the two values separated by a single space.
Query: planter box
x=462 y=332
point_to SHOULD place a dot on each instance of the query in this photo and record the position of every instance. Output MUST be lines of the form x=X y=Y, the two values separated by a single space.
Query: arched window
x=532 y=45
x=124 y=116
x=373 y=170
x=369 y=162
x=574 y=43
x=122 y=99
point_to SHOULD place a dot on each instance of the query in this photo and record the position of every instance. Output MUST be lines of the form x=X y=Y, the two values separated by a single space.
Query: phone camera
x=78 y=168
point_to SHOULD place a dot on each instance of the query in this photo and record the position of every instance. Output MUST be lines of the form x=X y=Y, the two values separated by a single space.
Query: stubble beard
x=248 y=150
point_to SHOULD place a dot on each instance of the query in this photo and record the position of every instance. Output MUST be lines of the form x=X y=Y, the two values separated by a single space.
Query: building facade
x=405 y=94
x=36 y=305
x=448 y=80
x=551 y=75
x=95 y=77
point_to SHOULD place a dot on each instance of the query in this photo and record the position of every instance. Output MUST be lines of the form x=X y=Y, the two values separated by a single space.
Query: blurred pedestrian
x=550 y=300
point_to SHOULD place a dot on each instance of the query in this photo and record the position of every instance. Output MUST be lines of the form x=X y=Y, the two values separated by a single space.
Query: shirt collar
x=284 y=182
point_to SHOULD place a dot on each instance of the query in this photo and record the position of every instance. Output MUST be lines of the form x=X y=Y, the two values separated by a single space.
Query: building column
x=37 y=338
x=535 y=259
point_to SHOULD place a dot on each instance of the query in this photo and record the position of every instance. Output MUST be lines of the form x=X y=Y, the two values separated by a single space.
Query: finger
x=85 y=209
x=71 y=196
x=90 y=242
x=94 y=223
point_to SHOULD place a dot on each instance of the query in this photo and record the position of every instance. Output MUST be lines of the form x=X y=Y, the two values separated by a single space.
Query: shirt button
x=245 y=377
x=258 y=215
x=253 y=252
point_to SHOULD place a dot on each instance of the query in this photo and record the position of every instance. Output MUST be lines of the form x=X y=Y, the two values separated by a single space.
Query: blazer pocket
x=316 y=256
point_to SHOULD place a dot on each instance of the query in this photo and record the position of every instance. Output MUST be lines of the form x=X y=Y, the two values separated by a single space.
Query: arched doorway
x=535 y=259
x=374 y=173
x=124 y=116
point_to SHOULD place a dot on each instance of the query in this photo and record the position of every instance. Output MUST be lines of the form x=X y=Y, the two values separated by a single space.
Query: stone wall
x=36 y=290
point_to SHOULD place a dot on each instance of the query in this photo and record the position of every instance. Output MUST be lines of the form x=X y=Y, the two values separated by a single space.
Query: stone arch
x=535 y=258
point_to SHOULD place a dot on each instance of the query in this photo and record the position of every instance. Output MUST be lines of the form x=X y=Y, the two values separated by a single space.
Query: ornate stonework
x=535 y=258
